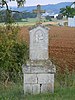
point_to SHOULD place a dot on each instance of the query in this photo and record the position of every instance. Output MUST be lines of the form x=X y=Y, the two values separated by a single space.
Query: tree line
x=15 y=16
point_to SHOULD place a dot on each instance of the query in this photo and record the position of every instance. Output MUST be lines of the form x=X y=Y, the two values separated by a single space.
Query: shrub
x=12 y=54
x=59 y=17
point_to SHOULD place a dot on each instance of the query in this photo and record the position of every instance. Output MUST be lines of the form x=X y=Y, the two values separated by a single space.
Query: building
x=71 y=21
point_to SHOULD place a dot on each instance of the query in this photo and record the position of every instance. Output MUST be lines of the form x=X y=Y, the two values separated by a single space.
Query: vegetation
x=12 y=54
x=68 y=11
x=59 y=17
x=19 y=2
x=15 y=92
x=48 y=18
x=16 y=16
x=8 y=12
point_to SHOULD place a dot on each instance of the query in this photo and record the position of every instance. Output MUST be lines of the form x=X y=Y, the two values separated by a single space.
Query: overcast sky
x=41 y=2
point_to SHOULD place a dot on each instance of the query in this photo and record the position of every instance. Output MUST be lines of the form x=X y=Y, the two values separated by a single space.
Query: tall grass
x=15 y=92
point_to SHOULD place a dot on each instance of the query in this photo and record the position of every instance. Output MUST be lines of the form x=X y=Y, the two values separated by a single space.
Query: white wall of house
x=55 y=15
x=71 y=22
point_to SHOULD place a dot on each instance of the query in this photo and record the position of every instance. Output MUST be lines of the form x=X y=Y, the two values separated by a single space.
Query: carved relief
x=39 y=36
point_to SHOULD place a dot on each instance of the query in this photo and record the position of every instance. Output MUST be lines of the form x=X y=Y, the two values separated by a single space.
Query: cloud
x=12 y=4
x=36 y=2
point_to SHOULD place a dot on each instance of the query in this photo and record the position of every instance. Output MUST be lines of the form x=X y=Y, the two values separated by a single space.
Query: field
x=62 y=53
x=61 y=44
x=32 y=21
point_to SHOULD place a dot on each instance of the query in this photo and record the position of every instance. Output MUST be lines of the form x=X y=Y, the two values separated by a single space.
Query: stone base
x=38 y=77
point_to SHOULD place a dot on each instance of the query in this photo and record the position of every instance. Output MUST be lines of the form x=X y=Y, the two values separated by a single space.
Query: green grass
x=31 y=21
x=15 y=92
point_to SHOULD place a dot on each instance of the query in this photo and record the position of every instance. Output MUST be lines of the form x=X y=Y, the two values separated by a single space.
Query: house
x=51 y=14
x=71 y=21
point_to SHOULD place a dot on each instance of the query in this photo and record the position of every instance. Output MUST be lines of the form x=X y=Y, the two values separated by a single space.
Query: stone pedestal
x=38 y=76
x=38 y=71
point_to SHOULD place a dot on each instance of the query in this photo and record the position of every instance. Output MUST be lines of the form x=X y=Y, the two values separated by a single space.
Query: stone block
x=45 y=78
x=30 y=78
x=32 y=88
x=38 y=70
x=26 y=69
x=49 y=87
x=36 y=88
x=27 y=88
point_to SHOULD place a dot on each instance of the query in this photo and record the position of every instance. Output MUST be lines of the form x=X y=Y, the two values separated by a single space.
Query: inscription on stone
x=39 y=43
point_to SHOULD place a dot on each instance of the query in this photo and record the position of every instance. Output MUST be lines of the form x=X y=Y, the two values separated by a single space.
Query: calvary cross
x=39 y=11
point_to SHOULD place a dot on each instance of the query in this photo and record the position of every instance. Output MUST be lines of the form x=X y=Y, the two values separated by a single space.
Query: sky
x=41 y=2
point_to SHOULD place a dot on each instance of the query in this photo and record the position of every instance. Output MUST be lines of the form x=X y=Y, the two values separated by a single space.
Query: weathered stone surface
x=49 y=87
x=39 y=43
x=38 y=83
x=25 y=69
x=36 y=88
x=30 y=78
x=39 y=67
x=40 y=63
x=39 y=70
x=32 y=88
x=27 y=88
x=45 y=78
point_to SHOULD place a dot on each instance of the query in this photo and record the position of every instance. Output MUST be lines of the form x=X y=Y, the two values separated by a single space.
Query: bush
x=48 y=18
x=12 y=54
x=59 y=17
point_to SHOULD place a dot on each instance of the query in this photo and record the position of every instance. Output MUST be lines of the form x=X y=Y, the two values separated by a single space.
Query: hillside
x=54 y=7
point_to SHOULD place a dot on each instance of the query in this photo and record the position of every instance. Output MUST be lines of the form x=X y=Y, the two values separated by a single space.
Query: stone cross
x=38 y=71
x=39 y=11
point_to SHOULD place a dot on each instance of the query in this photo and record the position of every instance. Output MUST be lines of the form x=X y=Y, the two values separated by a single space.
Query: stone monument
x=39 y=71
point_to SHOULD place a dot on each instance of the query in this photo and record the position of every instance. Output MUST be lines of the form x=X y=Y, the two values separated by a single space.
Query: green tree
x=68 y=11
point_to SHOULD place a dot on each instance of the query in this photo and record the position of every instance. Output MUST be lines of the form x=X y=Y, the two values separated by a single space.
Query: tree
x=19 y=2
x=9 y=18
x=59 y=17
x=68 y=11
x=48 y=18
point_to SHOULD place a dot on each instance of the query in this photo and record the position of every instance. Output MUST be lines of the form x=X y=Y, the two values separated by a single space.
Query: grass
x=15 y=92
x=33 y=21
x=30 y=21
